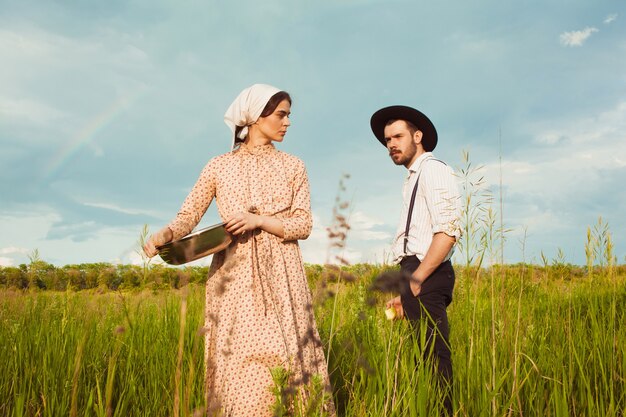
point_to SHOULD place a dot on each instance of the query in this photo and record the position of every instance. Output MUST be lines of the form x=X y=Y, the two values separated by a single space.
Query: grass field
x=527 y=341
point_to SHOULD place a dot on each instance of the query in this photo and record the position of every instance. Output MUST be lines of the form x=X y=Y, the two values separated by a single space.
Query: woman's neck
x=255 y=139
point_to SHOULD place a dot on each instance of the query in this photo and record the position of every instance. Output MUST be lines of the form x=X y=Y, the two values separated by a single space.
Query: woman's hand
x=159 y=238
x=243 y=222
x=396 y=304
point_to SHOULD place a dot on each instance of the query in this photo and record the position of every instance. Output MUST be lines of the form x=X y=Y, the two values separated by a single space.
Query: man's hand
x=396 y=304
x=159 y=238
x=416 y=285
x=439 y=248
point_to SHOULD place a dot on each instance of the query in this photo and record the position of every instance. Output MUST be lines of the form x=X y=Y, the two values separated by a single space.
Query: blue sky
x=109 y=111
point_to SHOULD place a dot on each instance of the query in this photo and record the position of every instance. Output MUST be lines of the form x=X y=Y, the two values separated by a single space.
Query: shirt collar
x=418 y=162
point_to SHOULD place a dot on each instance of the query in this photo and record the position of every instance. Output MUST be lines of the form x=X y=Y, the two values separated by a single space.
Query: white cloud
x=315 y=248
x=352 y=255
x=107 y=64
x=362 y=226
x=27 y=44
x=577 y=37
x=470 y=43
x=30 y=111
x=119 y=209
x=551 y=138
x=619 y=162
x=12 y=249
x=28 y=230
x=552 y=182
x=16 y=255
x=78 y=231
x=364 y=242
x=6 y=261
x=34 y=45
x=22 y=234
x=610 y=18
x=133 y=258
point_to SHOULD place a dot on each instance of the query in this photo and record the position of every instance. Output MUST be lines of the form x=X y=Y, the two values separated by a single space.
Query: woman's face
x=274 y=126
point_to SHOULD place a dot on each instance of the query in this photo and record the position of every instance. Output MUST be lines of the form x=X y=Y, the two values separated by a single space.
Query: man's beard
x=406 y=157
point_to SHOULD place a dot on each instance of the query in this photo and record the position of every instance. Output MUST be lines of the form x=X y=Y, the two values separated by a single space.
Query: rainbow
x=86 y=133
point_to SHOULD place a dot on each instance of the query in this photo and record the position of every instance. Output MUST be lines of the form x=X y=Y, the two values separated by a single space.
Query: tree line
x=42 y=275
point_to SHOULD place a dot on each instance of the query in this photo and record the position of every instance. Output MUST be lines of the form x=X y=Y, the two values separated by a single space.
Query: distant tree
x=38 y=270
x=57 y=281
x=78 y=279
x=128 y=276
x=105 y=275
x=197 y=274
x=14 y=277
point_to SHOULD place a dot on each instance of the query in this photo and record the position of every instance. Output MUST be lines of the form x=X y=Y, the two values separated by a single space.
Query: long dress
x=258 y=304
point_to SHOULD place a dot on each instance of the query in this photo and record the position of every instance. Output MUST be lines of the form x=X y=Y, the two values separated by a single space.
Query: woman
x=258 y=304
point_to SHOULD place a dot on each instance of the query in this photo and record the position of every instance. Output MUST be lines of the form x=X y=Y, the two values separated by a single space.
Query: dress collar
x=257 y=150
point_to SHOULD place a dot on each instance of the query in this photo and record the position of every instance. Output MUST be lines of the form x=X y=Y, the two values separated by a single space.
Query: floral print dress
x=259 y=312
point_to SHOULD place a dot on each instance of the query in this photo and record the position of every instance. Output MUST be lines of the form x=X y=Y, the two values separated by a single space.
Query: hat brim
x=419 y=119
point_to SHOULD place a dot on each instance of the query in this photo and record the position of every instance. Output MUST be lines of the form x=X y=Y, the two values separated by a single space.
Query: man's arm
x=439 y=248
x=437 y=252
x=442 y=197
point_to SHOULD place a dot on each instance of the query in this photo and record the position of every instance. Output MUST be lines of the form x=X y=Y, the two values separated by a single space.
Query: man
x=428 y=229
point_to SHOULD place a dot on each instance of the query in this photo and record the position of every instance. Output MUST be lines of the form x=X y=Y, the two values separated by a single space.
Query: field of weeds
x=526 y=340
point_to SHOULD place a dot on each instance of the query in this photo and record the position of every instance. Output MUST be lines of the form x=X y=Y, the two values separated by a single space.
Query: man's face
x=403 y=147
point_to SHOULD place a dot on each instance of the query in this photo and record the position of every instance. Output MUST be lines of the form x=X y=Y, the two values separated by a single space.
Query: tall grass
x=88 y=354
x=527 y=340
x=558 y=350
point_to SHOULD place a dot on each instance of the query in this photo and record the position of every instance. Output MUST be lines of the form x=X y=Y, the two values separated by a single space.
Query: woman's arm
x=297 y=225
x=195 y=205
x=244 y=222
x=159 y=238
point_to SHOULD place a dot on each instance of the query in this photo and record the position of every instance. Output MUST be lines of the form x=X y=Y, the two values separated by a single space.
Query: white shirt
x=437 y=207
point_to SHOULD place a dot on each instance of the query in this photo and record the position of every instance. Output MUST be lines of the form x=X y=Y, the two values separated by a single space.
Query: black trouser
x=430 y=307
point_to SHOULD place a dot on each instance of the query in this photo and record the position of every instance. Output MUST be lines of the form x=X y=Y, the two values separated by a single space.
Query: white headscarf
x=247 y=108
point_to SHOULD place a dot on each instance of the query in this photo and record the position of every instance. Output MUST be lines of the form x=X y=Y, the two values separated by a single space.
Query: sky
x=110 y=110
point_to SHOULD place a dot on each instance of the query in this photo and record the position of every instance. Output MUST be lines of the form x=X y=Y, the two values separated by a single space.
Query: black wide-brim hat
x=419 y=119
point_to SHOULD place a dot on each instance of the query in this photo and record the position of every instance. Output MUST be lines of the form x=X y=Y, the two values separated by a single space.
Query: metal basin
x=195 y=245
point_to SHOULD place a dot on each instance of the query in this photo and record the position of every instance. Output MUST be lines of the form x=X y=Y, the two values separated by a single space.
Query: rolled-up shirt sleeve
x=443 y=199
x=299 y=222
x=196 y=203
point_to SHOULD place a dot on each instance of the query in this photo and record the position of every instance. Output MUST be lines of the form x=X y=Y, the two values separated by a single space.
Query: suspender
x=412 y=203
